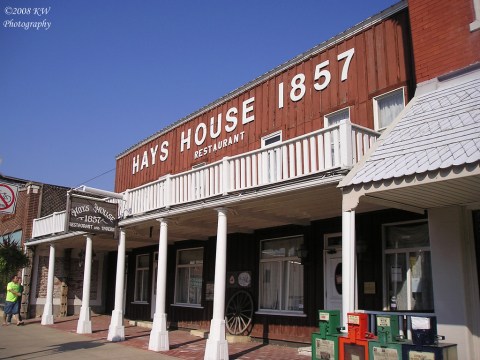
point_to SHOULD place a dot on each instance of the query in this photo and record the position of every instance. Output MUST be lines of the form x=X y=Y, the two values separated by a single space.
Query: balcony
x=334 y=148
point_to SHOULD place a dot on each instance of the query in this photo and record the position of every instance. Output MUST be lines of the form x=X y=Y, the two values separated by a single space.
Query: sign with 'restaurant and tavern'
x=92 y=215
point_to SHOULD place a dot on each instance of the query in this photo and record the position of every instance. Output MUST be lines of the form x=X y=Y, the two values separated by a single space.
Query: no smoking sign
x=8 y=198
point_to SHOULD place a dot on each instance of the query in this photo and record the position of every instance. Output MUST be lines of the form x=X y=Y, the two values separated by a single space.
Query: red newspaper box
x=355 y=345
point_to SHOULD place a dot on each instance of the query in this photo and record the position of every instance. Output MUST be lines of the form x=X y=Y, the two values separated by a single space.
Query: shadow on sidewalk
x=58 y=349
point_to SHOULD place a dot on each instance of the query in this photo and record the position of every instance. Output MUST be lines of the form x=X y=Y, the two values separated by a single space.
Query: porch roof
x=434 y=145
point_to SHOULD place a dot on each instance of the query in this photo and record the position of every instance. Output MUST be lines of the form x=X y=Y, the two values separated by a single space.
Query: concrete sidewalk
x=61 y=341
x=34 y=341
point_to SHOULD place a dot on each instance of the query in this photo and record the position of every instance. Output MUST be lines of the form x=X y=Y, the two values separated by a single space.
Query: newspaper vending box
x=355 y=345
x=386 y=347
x=325 y=342
x=424 y=344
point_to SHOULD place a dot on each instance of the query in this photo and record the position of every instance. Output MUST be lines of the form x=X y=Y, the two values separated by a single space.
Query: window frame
x=280 y=312
x=406 y=251
x=179 y=266
x=328 y=116
x=378 y=98
x=272 y=158
x=271 y=136
x=144 y=271
x=475 y=24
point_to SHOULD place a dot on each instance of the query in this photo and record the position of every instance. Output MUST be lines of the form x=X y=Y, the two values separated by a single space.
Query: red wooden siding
x=381 y=63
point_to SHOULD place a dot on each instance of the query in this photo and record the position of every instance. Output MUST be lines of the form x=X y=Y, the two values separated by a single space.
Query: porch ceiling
x=426 y=194
x=298 y=207
x=264 y=208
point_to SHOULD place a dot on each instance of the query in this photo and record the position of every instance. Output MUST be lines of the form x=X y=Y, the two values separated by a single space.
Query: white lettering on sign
x=79 y=210
x=322 y=77
x=231 y=123
x=230 y=118
x=149 y=157
x=219 y=145
x=247 y=108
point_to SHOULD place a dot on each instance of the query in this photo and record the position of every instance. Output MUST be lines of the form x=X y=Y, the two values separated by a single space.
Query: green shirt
x=13 y=287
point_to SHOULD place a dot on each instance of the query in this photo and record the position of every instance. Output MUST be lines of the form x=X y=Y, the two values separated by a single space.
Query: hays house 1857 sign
x=92 y=215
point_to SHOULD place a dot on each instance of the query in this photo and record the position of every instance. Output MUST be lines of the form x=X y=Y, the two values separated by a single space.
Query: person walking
x=19 y=307
x=11 y=303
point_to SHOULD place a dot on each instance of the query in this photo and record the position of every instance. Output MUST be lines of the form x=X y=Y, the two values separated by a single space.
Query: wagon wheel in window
x=239 y=313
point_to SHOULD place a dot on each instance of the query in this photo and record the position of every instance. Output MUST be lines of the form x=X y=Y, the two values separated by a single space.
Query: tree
x=12 y=259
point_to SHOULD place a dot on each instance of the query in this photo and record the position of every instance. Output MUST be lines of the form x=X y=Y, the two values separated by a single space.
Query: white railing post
x=35 y=227
x=345 y=138
x=167 y=193
x=225 y=175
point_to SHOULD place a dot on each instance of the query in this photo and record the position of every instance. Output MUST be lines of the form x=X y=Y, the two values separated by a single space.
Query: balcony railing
x=51 y=224
x=335 y=147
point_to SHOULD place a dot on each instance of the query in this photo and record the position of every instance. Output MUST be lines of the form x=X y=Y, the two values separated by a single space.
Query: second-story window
x=387 y=107
x=337 y=117
x=333 y=136
x=273 y=157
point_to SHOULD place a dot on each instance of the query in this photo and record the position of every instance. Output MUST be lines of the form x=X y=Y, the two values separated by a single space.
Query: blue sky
x=107 y=74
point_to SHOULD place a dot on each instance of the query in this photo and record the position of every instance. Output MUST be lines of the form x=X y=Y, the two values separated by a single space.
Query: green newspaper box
x=387 y=346
x=325 y=342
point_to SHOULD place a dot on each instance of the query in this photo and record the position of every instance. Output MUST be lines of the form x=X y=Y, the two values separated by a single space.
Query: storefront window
x=281 y=275
x=189 y=277
x=408 y=267
x=141 y=278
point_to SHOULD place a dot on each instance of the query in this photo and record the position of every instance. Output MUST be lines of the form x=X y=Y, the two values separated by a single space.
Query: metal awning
x=430 y=155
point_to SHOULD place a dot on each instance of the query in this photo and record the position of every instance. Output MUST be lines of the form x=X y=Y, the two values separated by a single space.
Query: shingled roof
x=439 y=129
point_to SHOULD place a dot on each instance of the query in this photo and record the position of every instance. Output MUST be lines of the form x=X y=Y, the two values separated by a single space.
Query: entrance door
x=333 y=272
x=333 y=280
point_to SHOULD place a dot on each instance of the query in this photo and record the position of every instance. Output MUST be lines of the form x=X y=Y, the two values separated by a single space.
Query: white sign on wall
x=8 y=198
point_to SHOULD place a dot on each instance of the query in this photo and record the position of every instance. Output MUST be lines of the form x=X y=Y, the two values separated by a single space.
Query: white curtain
x=389 y=107
x=270 y=285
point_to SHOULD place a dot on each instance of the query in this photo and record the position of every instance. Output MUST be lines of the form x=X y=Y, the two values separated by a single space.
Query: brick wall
x=32 y=203
x=442 y=41
x=12 y=222
x=54 y=199
x=34 y=200
x=59 y=275
x=69 y=271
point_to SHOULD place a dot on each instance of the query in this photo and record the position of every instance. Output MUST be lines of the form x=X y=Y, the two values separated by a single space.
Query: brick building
x=34 y=200
x=347 y=178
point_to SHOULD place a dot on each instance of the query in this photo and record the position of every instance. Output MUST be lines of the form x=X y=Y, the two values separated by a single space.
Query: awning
x=430 y=155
